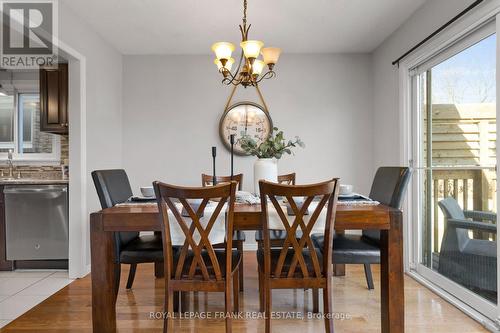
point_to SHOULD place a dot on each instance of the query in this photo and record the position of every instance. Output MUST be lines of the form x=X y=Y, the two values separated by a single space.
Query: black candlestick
x=231 y=140
x=214 y=153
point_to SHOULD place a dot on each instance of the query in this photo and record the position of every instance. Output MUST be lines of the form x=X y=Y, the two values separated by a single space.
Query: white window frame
x=53 y=158
x=409 y=148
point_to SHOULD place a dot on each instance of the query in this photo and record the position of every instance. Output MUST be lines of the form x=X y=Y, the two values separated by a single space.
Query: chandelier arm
x=230 y=79
x=235 y=75
x=268 y=75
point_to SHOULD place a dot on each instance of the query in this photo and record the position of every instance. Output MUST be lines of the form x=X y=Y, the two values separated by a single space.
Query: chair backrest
x=451 y=209
x=389 y=185
x=327 y=193
x=200 y=268
x=288 y=179
x=113 y=187
x=389 y=188
x=207 y=180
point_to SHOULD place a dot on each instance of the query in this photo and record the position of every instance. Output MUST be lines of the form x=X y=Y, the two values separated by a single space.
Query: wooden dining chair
x=239 y=236
x=277 y=236
x=207 y=180
x=288 y=179
x=297 y=263
x=198 y=266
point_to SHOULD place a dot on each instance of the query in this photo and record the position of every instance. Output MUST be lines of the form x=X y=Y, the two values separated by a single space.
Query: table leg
x=158 y=265
x=103 y=276
x=339 y=269
x=392 y=276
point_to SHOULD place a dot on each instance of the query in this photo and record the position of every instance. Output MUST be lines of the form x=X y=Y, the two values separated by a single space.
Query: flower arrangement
x=273 y=147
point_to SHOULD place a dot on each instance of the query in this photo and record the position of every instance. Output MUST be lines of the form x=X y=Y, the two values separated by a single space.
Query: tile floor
x=22 y=290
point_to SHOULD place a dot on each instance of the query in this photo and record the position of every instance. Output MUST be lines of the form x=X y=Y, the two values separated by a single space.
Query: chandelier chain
x=244 y=12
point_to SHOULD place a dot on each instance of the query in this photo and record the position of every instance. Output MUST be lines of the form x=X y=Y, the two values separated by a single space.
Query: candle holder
x=231 y=140
x=214 y=154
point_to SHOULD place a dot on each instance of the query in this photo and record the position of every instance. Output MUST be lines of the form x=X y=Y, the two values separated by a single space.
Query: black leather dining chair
x=388 y=188
x=113 y=187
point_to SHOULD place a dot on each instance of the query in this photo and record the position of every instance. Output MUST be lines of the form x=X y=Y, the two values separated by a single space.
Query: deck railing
x=473 y=188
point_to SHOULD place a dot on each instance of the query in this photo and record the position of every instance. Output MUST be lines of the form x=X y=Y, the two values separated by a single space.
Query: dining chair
x=113 y=187
x=288 y=179
x=297 y=263
x=239 y=236
x=197 y=265
x=207 y=180
x=389 y=188
x=277 y=236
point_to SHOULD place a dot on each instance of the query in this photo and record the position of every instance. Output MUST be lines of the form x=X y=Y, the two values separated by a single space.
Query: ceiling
x=191 y=26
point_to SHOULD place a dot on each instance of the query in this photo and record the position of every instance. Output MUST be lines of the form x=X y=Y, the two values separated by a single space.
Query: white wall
x=172 y=106
x=103 y=145
x=386 y=120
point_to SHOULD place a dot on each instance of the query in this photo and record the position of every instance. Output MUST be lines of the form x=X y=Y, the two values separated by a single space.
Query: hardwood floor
x=70 y=309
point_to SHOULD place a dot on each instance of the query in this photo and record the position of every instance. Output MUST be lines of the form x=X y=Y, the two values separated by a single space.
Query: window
x=451 y=115
x=20 y=129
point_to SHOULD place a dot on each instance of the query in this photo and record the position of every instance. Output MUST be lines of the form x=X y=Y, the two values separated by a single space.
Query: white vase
x=266 y=169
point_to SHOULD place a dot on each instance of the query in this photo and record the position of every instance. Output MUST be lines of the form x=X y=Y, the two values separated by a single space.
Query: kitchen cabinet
x=54 y=99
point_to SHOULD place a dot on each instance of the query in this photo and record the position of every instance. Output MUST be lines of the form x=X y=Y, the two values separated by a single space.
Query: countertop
x=29 y=181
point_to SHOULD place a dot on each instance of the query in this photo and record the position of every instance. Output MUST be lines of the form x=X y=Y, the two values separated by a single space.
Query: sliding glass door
x=454 y=110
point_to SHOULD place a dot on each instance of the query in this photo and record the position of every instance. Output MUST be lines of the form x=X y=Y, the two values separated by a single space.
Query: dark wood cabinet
x=54 y=99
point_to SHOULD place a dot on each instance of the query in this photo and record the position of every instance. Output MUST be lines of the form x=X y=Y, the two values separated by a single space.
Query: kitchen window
x=20 y=130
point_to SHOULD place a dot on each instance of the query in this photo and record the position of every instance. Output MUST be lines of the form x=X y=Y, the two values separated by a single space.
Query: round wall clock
x=244 y=118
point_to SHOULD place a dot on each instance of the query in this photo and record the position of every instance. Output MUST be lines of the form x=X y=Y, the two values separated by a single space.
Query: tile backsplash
x=41 y=171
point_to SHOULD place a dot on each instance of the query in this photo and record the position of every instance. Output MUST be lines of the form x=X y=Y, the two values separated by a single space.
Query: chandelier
x=250 y=67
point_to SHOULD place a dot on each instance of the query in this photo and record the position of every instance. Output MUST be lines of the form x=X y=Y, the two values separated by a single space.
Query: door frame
x=407 y=132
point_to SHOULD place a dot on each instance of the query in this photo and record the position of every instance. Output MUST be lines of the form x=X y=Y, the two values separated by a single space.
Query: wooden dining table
x=246 y=217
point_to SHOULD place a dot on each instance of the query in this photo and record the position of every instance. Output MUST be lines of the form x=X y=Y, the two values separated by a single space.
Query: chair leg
x=315 y=300
x=236 y=291
x=158 y=269
x=184 y=301
x=176 y=307
x=327 y=305
x=268 y=302
x=369 y=277
x=228 y=304
x=240 y=270
x=117 y=278
x=169 y=311
x=261 y=291
x=131 y=275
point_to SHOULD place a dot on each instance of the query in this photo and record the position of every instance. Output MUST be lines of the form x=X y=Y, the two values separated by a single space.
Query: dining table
x=142 y=217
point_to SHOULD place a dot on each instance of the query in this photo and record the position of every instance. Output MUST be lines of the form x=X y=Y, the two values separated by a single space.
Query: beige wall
x=172 y=106
x=386 y=120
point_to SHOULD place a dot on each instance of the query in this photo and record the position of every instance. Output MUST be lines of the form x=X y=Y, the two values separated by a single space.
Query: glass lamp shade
x=271 y=55
x=228 y=65
x=223 y=50
x=251 y=48
x=257 y=67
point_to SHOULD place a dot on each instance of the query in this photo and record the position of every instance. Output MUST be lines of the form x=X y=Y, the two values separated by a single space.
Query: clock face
x=245 y=118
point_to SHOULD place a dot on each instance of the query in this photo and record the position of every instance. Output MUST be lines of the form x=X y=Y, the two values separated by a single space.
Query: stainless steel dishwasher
x=36 y=219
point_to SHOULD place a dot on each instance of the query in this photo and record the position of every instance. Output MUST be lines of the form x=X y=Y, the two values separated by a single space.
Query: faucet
x=11 y=165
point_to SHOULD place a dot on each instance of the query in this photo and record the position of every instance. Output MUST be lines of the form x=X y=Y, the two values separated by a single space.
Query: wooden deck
x=70 y=309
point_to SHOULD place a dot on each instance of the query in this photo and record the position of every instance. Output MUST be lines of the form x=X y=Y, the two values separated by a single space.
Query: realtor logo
x=28 y=34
